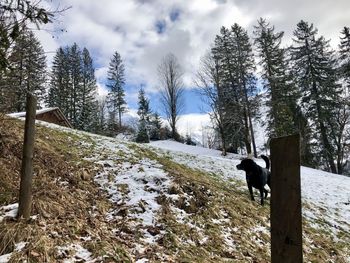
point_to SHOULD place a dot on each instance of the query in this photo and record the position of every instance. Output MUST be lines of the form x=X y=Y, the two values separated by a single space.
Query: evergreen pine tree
x=314 y=71
x=284 y=116
x=116 y=100
x=344 y=49
x=142 y=134
x=244 y=67
x=143 y=111
x=102 y=124
x=234 y=64
x=155 y=127
x=27 y=71
x=281 y=93
x=144 y=117
x=73 y=87
x=59 y=88
x=88 y=119
x=342 y=138
x=75 y=66
x=228 y=93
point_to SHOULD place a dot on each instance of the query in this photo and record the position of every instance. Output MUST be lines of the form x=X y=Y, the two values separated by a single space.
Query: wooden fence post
x=286 y=224
x=25 y=191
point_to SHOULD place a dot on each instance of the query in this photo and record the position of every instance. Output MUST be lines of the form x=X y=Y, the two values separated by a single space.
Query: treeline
x=26 y=71
x=71 y=86
x=305 y=90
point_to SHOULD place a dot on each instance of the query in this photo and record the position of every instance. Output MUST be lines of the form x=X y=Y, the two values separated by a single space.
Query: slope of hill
x=321 y=191
x=98 y=199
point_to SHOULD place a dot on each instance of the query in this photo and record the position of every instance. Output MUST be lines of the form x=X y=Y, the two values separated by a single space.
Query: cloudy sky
x=143 y=31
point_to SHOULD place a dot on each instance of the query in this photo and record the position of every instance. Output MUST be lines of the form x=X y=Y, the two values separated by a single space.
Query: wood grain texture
x=25 y=191
x=286 y=220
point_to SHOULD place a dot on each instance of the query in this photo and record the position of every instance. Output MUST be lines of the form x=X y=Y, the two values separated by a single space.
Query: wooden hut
x=51 y=115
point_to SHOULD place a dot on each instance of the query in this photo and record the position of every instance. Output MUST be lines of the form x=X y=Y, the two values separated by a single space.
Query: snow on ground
x=18 y=247
x=8 y=211
x=74 y=253
x=190 y=149
x=205 y=159
x=5 y=258
x=328 y=194
x=133 y=185
x=134 y=182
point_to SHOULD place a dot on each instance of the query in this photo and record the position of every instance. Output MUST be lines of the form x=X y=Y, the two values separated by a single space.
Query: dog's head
x=246 y=165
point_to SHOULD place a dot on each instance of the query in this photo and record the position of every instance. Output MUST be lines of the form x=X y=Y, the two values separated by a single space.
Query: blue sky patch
x=160 y=26
x=174 y=15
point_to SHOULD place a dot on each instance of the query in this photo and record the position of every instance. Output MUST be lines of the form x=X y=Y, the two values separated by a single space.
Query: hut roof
x=55 y=110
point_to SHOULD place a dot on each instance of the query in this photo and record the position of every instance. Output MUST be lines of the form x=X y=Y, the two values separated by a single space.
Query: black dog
x=256 y=176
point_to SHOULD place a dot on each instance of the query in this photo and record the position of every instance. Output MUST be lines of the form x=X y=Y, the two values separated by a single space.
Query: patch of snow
x=261 y=229
x=327 y=194
x=190 y=149
x=229 y=241
x=144 y=182
x=330 y=193
x=79 y=253
x=5 y=258
x=125 y=136
x=133 y=183
x=34 y=217
x=18 y=247
x=8 y=211
x=23 y=113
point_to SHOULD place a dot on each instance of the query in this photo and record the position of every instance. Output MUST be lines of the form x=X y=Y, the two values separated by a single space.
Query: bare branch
x=171 y=90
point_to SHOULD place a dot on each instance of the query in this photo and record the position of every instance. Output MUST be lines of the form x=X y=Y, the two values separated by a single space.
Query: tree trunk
x=25 y=192
x=246 y=133
x=223 y=139
x=120 y=117
x=327 y=147
x=250 y=125
x=173 y=129
x=19 y=105
x=325 y=141
x=252 y=134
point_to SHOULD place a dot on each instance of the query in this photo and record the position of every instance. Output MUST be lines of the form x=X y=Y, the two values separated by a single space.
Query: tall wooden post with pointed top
x=286 y=224
x=25 y=191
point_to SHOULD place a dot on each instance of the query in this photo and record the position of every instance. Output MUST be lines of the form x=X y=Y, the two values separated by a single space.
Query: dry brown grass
x=70 y=206
x=212 y=195
x=64 y=198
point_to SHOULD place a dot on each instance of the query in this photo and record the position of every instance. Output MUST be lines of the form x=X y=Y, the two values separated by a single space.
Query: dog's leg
x=266 y=192
x=261 y=196
x=269 y=180
x=251 y=192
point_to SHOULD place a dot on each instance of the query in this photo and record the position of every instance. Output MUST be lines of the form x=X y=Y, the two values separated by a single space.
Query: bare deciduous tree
x=172 y=90
x=208 y=80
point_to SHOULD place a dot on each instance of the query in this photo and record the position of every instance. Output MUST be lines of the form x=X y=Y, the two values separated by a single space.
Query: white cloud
x=101 y=90
x=129 y=27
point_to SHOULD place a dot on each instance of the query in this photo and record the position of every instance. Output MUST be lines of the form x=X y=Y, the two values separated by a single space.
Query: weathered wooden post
x=286 y=225
x=25 y=191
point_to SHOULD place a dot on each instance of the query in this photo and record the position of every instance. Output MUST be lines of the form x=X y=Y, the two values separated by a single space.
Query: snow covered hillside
x=321 y=191
x=159 y=202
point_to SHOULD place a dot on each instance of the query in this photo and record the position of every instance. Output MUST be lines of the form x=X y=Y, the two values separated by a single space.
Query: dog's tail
x=267 y=161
